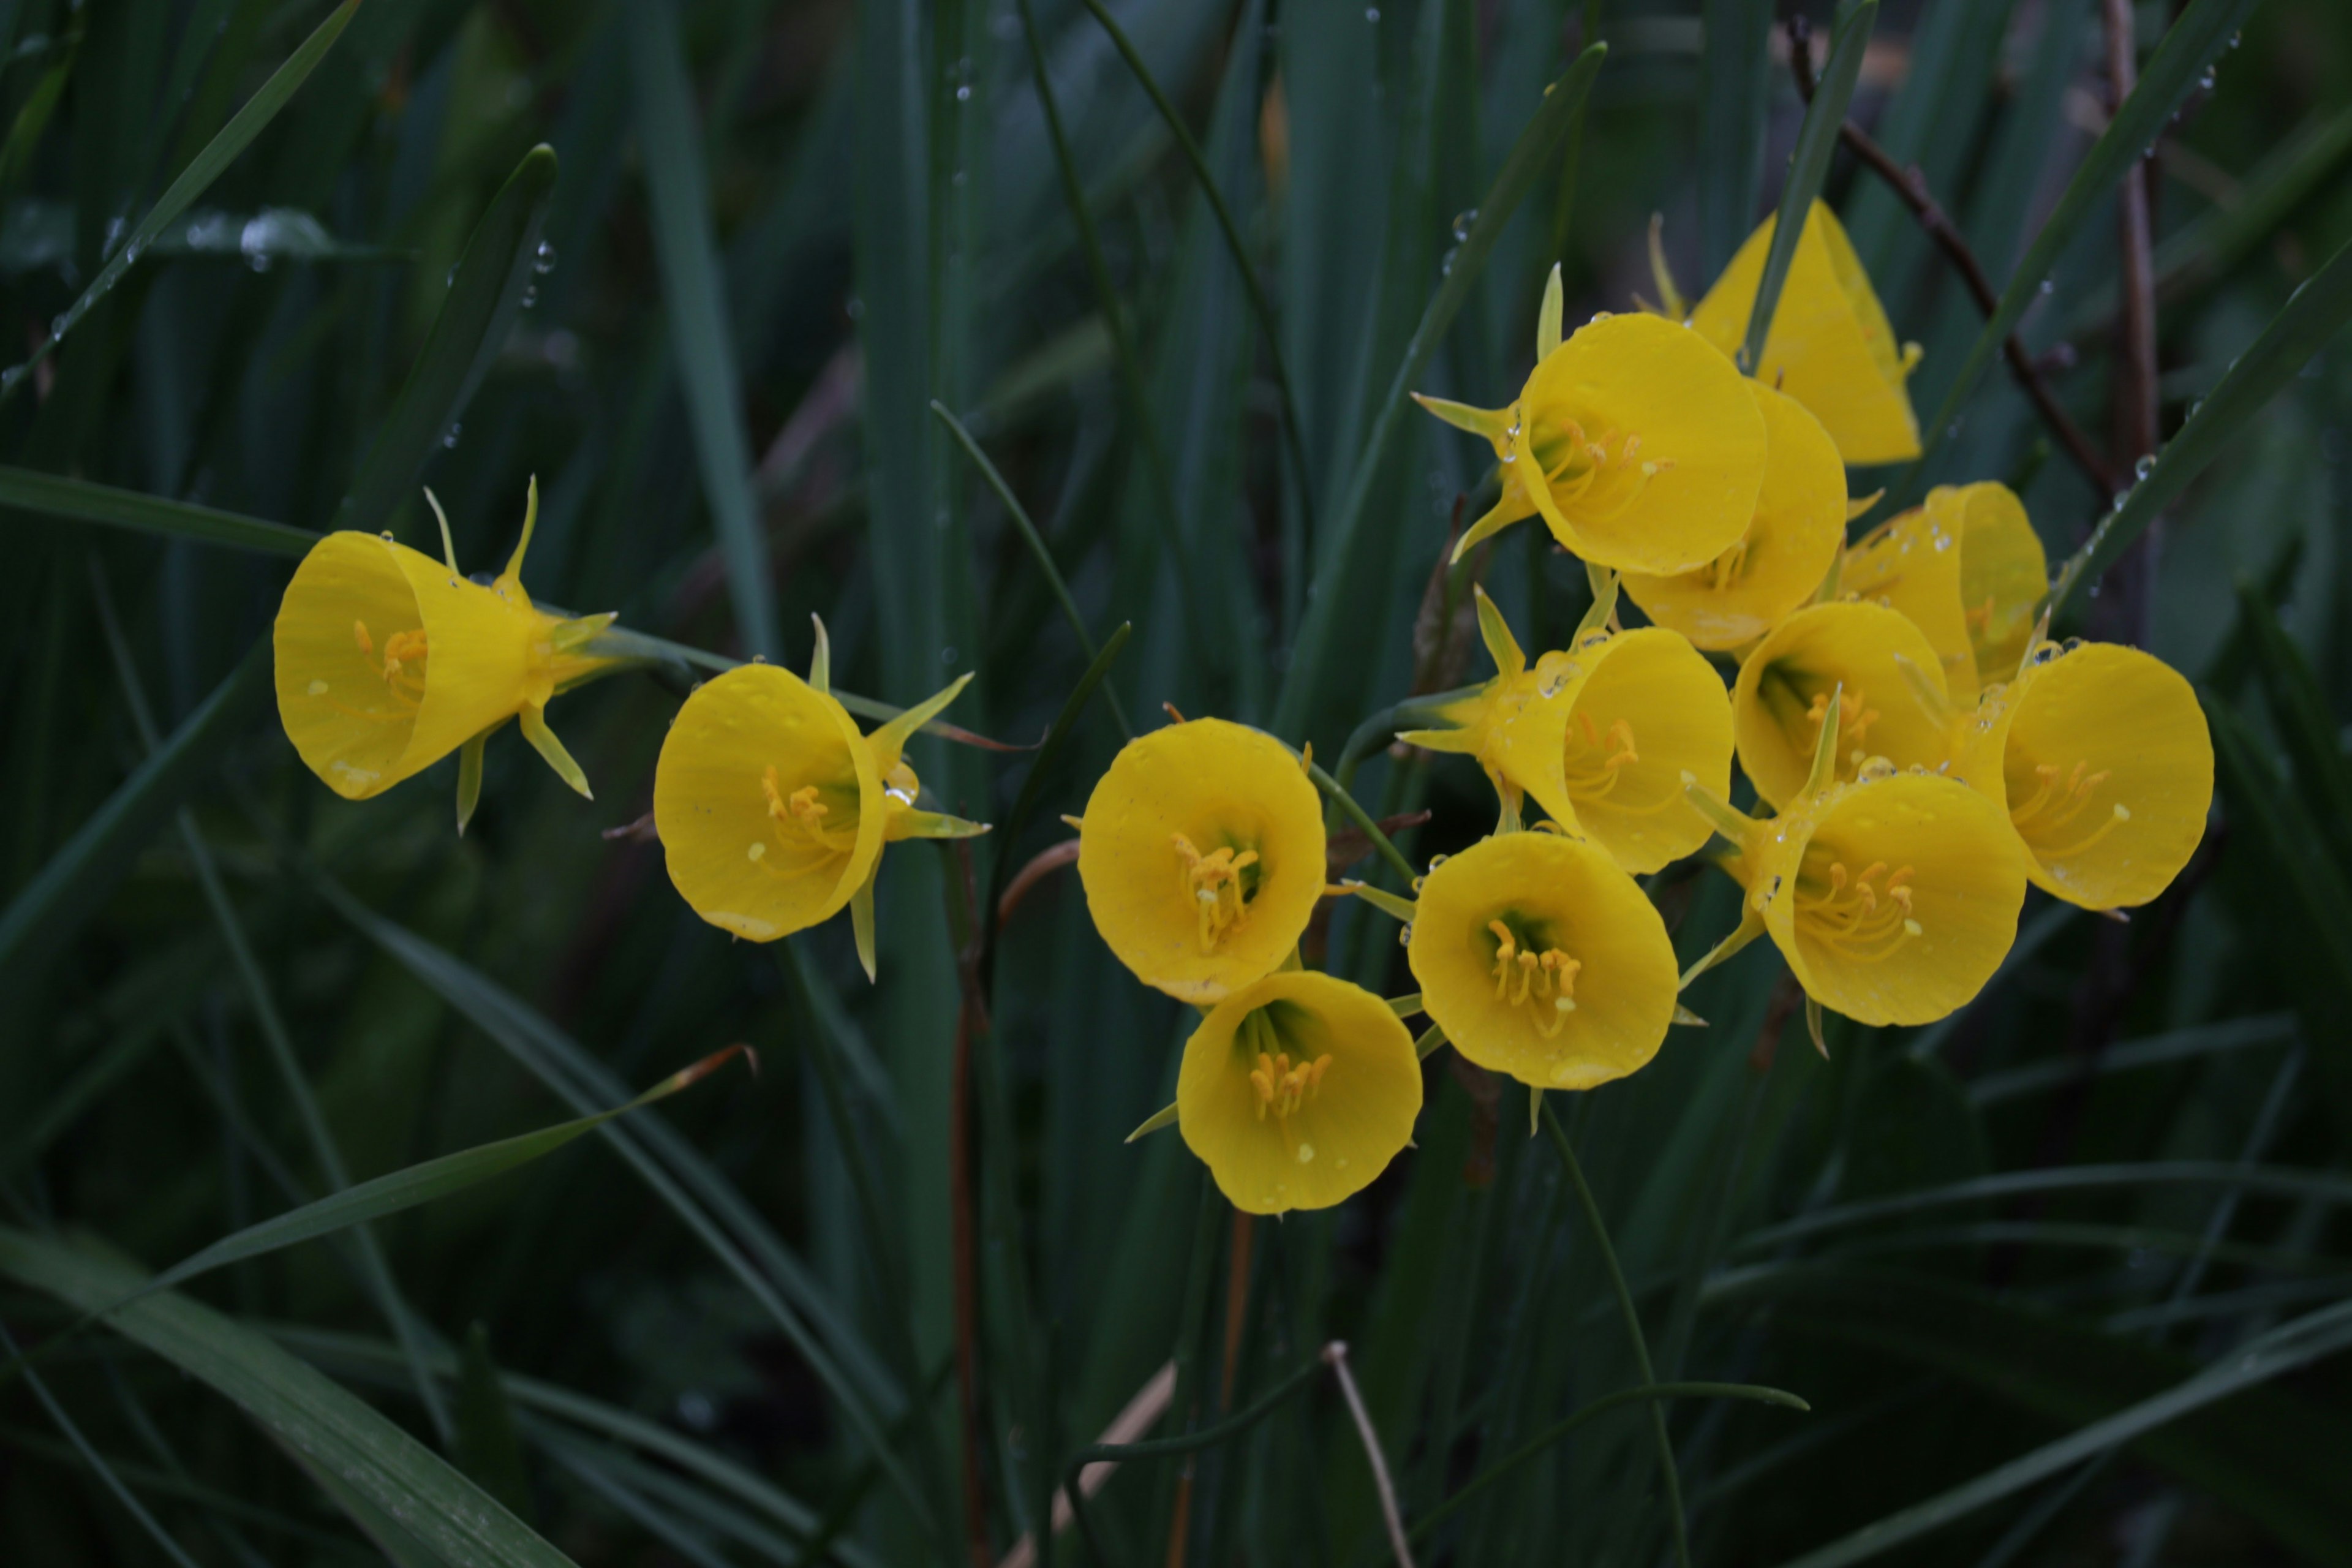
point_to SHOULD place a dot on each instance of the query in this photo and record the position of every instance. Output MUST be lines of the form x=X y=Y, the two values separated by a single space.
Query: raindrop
x=1445 y=265
x=2237 y=38
x=542 y=260
x=59 y=326
x=529 y=295
x=2095 y=590
x=948 y=654
x=1462 y=222
x=449 y=436
x=1437 y=860
x=759 y=658
x=2045 y=287
x=856 y=309
x=2206 y=82
x=2071 y=644
x=451 y=281
x=963 y=95
x=385 y=536
x=1405 y=934
x=258 y=261
x=2146 y=466
x=1371 y=14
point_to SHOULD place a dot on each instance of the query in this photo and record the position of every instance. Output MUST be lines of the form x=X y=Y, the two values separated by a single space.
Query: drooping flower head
x=1968 y=570
x=1636 y=443
x=2100 y=756
x=1831 y=346
x=1601 y=736
x=1203 y=855
x=1296 y=1090
x=774 y=810
x=1893 y=701
x=1790 y=543
x=388 y=660
x=1539 y=958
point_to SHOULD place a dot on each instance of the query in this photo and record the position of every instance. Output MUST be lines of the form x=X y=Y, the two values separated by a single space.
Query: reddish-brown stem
x=1910 y=185
x=971 y=1017
x=1237 y=1284
x=2125 y=614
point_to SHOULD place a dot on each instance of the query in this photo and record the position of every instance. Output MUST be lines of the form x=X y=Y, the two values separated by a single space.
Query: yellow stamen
x=1283 y=1088
x=1862 y=918
x=1214 y=883
x=1546 y=981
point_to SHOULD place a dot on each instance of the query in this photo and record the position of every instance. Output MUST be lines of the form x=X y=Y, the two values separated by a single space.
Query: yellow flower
x=1540 y=959
x=2100 y=757
x=1893 y=705
x=1791 y=541
x=1638 y=445
x=1202 y=852
x=1601 y=736
x=388 y=660
x=774 y=810
x=1967 y=569
x=1831 y=347
x=1296 y=1090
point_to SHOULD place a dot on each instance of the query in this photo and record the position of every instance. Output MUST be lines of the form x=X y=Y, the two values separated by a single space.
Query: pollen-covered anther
x=1214 y=882
x=798 y=819
x=1282 y=1086
x=1543 y=983
x=2053 y=805
x=1854 y=718
x=1584 y=463
x=1866 y=917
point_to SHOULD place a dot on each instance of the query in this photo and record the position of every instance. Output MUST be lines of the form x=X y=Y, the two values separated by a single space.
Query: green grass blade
x=81 y=501
x=2155 y=1050
x=96 y=1461
x=315 y=1419
x=488 y=1445
x=484 y=298
x=1531 y=156
x=692 y=293
x=1735 y=96
x=79 y=878
x=2202 y=33
x=219 y=153
x=1024 y=805
x=1817 y=138
x=2301 y=715
x=2315 y=314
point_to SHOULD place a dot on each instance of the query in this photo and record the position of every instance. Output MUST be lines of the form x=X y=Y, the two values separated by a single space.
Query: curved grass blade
x=96 y=1461
x=2202 y=33
x=55 y=495
x=2315 y=314
x=694 y=297
x=1808 y=167
x=320 y=1423
x=80 y=877
x=202 y=171
x=1529 y=157
x=484 y=297
x=2155 y=1050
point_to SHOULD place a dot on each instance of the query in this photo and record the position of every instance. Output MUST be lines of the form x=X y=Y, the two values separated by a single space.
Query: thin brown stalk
x=2125 y=614
x=1237 y=1284
x=1139 y=1416
x=1910 y=186
x=1336 y=1354
x=970 y=1018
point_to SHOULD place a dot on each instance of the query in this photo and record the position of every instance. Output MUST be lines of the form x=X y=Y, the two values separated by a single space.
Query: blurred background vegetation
x=2060 y=1278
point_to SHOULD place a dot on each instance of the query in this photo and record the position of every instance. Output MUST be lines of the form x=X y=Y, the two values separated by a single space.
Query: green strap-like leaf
x=330 y=1430
x=1816 y=140
x=484 y=294
x=56 y=496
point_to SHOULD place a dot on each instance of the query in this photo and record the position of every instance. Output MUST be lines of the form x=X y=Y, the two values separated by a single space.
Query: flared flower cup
x=1878 y=667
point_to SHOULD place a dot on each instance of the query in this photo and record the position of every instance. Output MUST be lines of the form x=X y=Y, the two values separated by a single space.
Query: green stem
x=1633 y=1332
x=1363 y=819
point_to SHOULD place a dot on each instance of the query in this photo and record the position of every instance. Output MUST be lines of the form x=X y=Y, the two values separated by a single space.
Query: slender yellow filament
x=1282 y=1086
x=1862 y=918
x=798 y=823
x=2053 y=805
x=1584 y=463
x=1214 y=883
x=1543 y=983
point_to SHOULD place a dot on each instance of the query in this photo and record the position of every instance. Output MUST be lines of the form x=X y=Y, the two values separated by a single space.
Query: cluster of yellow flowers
x=1923 y=751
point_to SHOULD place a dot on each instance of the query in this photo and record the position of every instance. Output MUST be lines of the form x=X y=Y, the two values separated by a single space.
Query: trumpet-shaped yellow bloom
x=1202 y=856
x=1831 y=347
x=1636 y=444
x=1967 y=569
x=773 y=809
x=1894 y=898
x=1893 y=701
x=1790 y=543
x=1296 y=1090
x=2101 y=758
x=1602 y=736
x=1911 y=564
x=388 y=660
x=1539 y=958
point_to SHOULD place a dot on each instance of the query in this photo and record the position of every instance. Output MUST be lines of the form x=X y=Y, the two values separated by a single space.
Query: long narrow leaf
x=55 y=495
x=1817 y=138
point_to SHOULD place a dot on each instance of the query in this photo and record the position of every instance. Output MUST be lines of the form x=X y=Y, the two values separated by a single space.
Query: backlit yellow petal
x=1579 y=932
x=2004 y=575
x=1911 y=563
x=1784 y=689
x=1637 y=447
x=1203 y=855
x=1894 y=898
x=770 y=810
x=1831 y=347
x=1797 y=530
x=1296 y=1090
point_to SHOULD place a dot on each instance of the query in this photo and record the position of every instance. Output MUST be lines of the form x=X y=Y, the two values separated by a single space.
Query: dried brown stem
x=1910 y=186
x=2135 y=416
x=1336 y=1354
x=971 y=1018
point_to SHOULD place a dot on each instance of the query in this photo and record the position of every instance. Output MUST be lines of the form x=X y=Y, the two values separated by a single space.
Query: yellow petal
x=1786 y=685
x=1792 y=539
x=1911 y=563
x=770 y=810
x=1639 y=446
x=2101 y=758
x=1223 y=790
x=1831 y=347
x=1828 y=876
x=1322 y=1141
x=387 y=662
x=2004 y=577
x=1553 y=895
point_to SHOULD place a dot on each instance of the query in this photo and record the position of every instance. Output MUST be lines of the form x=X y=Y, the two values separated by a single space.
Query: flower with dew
x=1893 y=896
x=1635 y=442
x=1873 y=662
x=774 y=810
x=388 y=660
x=1296 y=1090
x=1967 y=569
x=2100 y=756
x=1793 y=540
x=1600 y=735
x=1203 y=855
x=1539 y=958
x=1831 y=346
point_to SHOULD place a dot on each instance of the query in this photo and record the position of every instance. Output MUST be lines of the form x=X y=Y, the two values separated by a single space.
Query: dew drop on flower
x=1307 y=1153
x=1405 y=934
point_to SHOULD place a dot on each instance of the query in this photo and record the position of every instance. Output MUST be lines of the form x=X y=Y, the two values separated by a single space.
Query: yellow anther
x=360 y=635
x=1214 y=882
x=1865 y=916
x=1282 y=1086
x=1546 y=981
x=1855 y=717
